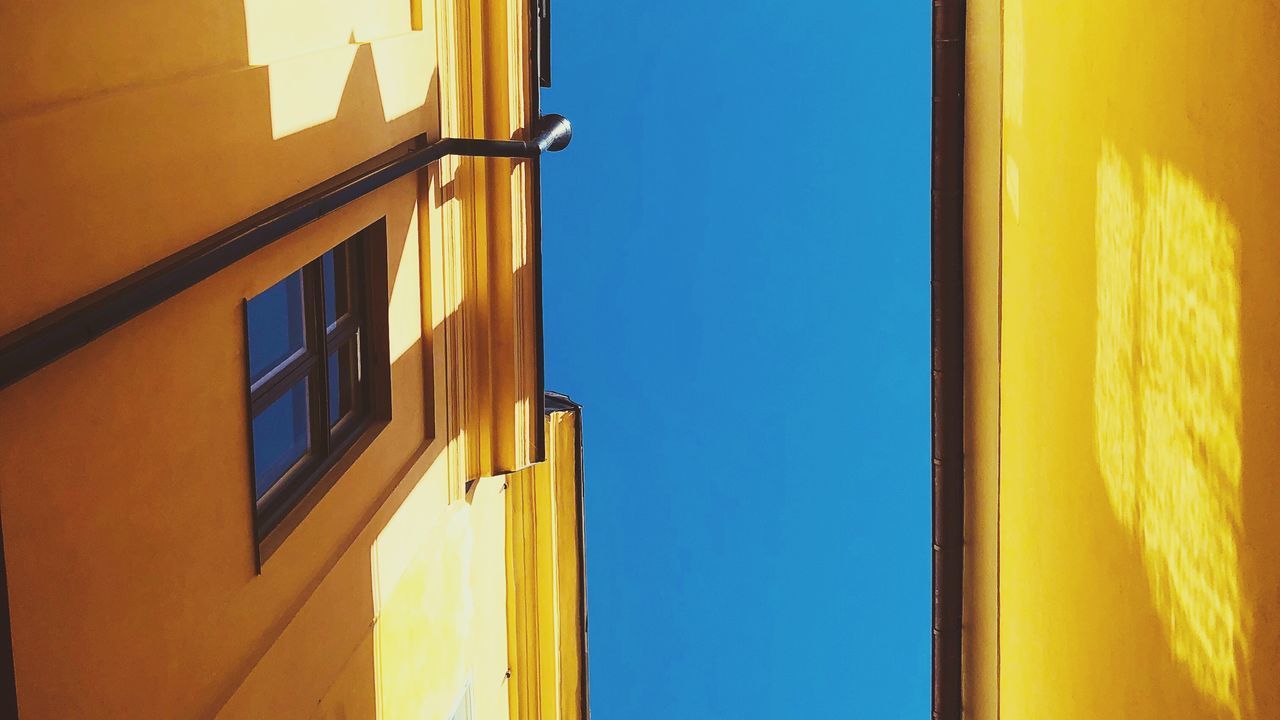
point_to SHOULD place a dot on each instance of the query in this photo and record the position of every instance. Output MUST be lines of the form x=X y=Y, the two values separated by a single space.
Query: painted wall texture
x=1140 y=361
x=132 y=130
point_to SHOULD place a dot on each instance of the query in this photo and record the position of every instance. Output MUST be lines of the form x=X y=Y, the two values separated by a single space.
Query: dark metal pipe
x=490 y=148
x=72 y=326
x=947 y=290
x=554 y=133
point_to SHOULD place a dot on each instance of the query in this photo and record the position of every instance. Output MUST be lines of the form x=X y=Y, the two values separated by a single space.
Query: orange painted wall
x=133 y=130
x=1140 y=342
x=126 y=140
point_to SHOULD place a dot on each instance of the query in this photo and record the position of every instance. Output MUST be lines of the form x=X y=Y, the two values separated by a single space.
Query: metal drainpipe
x=44 y=340
x=947 y=290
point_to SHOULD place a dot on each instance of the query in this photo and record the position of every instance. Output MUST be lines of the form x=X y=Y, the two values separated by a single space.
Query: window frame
x=330 y=449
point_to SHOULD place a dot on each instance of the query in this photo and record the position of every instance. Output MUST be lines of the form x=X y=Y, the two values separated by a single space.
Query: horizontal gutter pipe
x=73 y=326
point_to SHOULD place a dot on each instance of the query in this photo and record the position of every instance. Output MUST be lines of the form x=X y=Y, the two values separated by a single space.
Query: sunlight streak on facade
x=1167 y=405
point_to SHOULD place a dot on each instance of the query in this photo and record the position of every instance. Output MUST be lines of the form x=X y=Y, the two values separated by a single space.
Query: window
x=313 y=380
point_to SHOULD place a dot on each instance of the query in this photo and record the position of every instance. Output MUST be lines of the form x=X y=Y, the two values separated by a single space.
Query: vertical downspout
x=947 y=291
x=539 y=37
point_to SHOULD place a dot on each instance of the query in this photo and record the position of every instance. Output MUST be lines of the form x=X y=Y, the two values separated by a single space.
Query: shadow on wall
x=216 y=114
x=310 y=67
x=218 y=107
x=1167 y=408
x=410 y=597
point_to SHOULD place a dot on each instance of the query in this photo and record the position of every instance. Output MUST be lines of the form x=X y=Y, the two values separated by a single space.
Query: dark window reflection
x=307 y=400
x=337 y=286
x=276 y=327
x=343 y=381
x=280 y=435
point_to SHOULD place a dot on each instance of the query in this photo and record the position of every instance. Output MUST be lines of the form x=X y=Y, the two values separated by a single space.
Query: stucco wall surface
x=1140 y=361
x=132 y=130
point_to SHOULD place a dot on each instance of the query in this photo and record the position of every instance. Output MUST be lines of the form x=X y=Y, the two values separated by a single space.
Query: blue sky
x=736 y=270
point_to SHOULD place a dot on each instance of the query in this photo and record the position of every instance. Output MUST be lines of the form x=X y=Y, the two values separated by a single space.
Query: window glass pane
x=276 y=327
x=280 y=437
x=343 y=381
x=336 y=284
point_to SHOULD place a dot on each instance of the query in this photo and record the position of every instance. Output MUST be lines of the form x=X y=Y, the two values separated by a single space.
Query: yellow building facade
x=168 y=170
x=1120 y=349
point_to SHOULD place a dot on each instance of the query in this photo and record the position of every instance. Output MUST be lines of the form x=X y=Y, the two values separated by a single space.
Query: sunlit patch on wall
x=426 y=617
x=307 y=91
x=309 y=48
x=405 y=309
x=1015 y=59
x=1012 y=186
x=1167 y=406
x=398 y=62
x=280 y=29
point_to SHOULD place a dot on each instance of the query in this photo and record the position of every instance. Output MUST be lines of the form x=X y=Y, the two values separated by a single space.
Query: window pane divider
x=280 y=380
x=318 y=402
x=344 y=329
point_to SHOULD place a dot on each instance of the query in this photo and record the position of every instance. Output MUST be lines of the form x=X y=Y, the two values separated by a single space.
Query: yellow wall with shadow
x=132 y=130
x=1140 y=345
